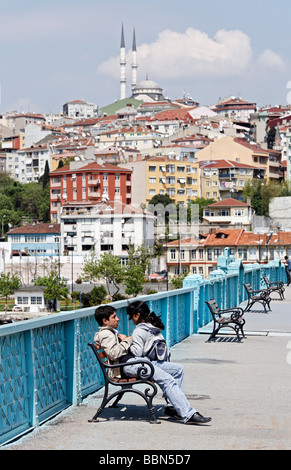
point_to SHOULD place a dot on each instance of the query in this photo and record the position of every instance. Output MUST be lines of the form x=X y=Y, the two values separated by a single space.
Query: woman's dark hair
x=145 y=314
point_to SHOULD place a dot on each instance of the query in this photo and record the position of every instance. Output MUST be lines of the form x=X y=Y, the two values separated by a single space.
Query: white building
x=79 y=109
x=31 y=163
x=104 y=227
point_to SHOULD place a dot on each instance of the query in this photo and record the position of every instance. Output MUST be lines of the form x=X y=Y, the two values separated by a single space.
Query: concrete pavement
x=245 y=388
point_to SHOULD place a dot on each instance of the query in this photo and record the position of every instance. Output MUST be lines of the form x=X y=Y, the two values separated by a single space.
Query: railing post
x=195 y=281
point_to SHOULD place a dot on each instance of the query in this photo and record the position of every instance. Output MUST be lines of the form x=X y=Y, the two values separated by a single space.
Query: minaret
x=134 y=63
x=122 y=67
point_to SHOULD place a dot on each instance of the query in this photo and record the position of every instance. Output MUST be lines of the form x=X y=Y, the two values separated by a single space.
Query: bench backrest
x=100 y=355
x=213 y=307
x=248 y=288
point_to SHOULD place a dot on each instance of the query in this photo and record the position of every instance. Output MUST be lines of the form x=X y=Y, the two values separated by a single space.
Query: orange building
x=91 y=183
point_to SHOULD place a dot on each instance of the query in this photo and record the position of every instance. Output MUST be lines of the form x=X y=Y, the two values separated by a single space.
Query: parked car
x=158 y=276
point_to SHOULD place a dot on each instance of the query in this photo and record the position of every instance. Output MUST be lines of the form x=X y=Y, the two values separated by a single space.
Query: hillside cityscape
x=159 y=186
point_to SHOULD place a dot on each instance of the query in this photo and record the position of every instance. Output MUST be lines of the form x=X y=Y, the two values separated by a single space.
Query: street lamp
x=71 y=248
x=166 y=237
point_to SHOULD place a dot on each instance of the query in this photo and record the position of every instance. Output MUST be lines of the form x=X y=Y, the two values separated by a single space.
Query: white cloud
x=194 y=54
x=269 y=59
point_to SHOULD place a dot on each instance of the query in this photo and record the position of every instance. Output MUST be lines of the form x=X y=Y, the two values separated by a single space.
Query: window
x=217 y=252
x=201 y=253
x=170 y=180
x=193 y=254
x=253 y=253
x=223 y=212
x=239 y=212
x=170 y=168
x=152 y=180
x=152 y=168
x=173 y=253
x=242 y=253
x=182 y=254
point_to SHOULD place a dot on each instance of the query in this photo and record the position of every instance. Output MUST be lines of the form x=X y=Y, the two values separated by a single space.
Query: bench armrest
x=142 y=372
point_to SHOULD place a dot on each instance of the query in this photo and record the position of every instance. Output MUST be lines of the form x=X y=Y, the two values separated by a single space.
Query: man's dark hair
x=104 y=311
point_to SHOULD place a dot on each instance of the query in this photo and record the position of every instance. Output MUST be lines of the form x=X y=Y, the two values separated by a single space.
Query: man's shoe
x=170 y=411
x=197 y=418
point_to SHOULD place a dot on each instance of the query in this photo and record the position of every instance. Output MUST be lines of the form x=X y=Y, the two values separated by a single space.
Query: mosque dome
x=148 y=90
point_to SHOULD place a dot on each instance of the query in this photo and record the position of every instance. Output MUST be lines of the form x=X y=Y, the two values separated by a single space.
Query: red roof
x=225 y=164
x=90 y=166
x=180 y=114
x=230 y=201
x=36 y=228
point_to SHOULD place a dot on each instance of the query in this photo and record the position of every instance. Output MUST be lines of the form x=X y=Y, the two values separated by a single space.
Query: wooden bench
x=261 y=296
x=227 y=318
x=276 y=286
x=143 y=377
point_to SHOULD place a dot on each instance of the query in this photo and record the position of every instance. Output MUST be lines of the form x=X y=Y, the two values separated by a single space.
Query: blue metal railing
x=46 y=365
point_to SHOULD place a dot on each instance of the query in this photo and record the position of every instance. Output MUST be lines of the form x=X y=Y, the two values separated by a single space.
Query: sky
x=57 y=51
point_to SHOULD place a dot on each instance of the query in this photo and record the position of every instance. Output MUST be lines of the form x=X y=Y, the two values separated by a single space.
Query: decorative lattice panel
x=14 y=399
x=90 y=373
x=50 y=368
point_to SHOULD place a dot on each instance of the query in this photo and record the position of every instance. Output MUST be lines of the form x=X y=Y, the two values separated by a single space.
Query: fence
x=46 y=366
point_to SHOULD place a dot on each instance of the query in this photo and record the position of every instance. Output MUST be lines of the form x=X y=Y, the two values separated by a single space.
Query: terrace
x=47 y=368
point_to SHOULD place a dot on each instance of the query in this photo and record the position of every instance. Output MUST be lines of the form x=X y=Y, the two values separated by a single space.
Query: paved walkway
x=245 y=388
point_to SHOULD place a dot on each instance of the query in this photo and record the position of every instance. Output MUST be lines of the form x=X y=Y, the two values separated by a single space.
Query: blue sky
x=56 y=51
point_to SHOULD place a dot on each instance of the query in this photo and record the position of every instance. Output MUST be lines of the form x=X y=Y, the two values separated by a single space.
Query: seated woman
x=147 y=342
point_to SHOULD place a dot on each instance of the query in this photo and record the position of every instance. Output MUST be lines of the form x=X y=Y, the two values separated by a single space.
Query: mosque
x=146 y=90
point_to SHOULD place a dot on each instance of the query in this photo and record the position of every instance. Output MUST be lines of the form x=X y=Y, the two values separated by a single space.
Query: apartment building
x=105 y=227
x=235 y=108
x=224 y=179
x=199 y=256
x=31 y=163
x=267 y=162
x=177 y=178
x=88 y=182
x=229 y=212
x=35 y=240
x=136 y=137
x=79 y=109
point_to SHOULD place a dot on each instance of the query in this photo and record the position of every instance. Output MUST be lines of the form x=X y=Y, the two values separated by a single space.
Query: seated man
x=116 y=346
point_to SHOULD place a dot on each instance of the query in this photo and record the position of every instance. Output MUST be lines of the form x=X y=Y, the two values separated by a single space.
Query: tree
x=137 y=266
x=134 y=279
x=108 y=268
x=271 y=137
x=55 y=288
x=261 y=192
x=45 y=178
x=9 y=284
x=163 y=199
x=177 y=281
x=201 y=202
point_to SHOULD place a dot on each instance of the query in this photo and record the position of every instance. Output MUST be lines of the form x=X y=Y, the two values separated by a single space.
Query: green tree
x=201 y=202
x=134 y=279
x=9 y=283
x=55 y=288
x=97 y=295
x=271 y=137
x=177 y=281
x=138 y=264
x=108 y=268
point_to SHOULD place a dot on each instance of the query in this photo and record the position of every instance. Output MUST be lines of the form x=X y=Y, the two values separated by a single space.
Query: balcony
x=94 y=194
x=94 y=182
